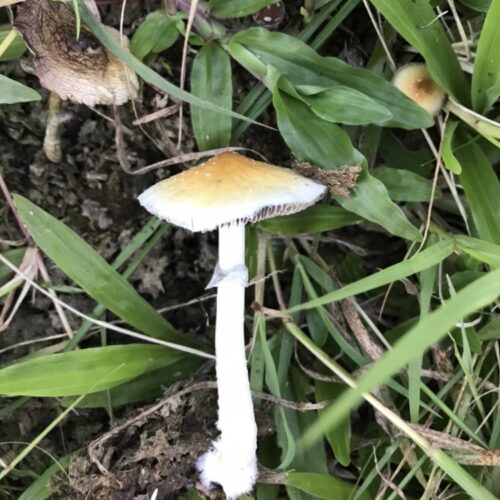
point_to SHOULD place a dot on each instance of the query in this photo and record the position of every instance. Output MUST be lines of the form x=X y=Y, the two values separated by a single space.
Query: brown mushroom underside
x=79 y=69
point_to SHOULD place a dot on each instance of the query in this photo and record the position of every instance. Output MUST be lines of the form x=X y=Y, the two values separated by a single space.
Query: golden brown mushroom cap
x=229 y=189
x=80 y=70
x=415 y=82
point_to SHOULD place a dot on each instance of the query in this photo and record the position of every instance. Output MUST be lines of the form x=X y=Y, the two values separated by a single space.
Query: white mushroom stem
x=232 y=461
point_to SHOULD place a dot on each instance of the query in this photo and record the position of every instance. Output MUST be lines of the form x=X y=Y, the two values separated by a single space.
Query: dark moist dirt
x=152 y=448
x=158 y=452
x=90 y=192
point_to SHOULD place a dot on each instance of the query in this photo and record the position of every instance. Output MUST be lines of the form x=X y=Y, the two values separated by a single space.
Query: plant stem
x=489 y=129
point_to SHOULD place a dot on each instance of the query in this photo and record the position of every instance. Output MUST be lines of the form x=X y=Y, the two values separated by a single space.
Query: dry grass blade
x=161 y=113
x=36 y=258
x=487 y=458
x=192 y=13
x=104 y=324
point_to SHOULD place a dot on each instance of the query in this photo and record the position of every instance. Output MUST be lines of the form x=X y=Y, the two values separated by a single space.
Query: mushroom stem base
x=236 y=475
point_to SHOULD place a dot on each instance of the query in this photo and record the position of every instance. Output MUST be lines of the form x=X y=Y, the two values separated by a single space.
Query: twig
x=32 y=341
x=182 y=158
x=380 y=36
x=364 y=339
x=12 y=206
x=161 y=113
x=460 y=28
x=451 y=185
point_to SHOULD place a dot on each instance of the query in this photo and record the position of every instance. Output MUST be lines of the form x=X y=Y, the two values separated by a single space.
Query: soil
x=158 y=452
x=91 y=193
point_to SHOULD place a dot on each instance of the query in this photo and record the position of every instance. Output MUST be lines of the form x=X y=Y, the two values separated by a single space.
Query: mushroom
x=227 y=192
x=416 y=83
x=270 y=16
x=75 y=68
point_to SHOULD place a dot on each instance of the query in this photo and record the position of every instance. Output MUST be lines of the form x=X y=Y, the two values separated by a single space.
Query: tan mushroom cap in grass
x=78 y=69
x=226 y=192
x=228 y=189
x=415 y=81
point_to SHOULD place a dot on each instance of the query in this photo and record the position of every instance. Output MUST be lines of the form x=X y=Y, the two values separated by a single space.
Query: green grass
x=384 y=304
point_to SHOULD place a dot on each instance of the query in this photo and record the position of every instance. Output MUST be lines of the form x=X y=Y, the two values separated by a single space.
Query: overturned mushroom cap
x=415 y=82
x=78 y=69
x=229 y=189
x=271 y=16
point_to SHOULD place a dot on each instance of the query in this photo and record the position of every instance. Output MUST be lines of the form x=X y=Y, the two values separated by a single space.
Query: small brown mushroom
x=271 y=16
x=76 y=68
x=415 y=81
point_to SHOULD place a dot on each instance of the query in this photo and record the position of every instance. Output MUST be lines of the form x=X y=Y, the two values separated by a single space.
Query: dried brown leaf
x=340 y=181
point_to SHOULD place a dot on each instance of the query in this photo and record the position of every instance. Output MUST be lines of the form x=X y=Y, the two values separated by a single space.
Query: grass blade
x=370 y=199
x=223 y=9
x=211 y=81
x=157 y=33
x=427 y=332
x=482 y=191
x=40 y=488
x=16 y=257
x=339 y=437
x=16 y=47
x=345 y=105
x=14 y=92
x=449 y=158
x=481 y=250
x=286 y=438
x=311 y=138
x=76 y=372
x=327 y=145
x=455 y=471
x=486 y=75
x=425 y=259
x=303 y=66
x=87 y=268
x=323 y=486
x=145 y=387
x=404 y=185
x=147 y=73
